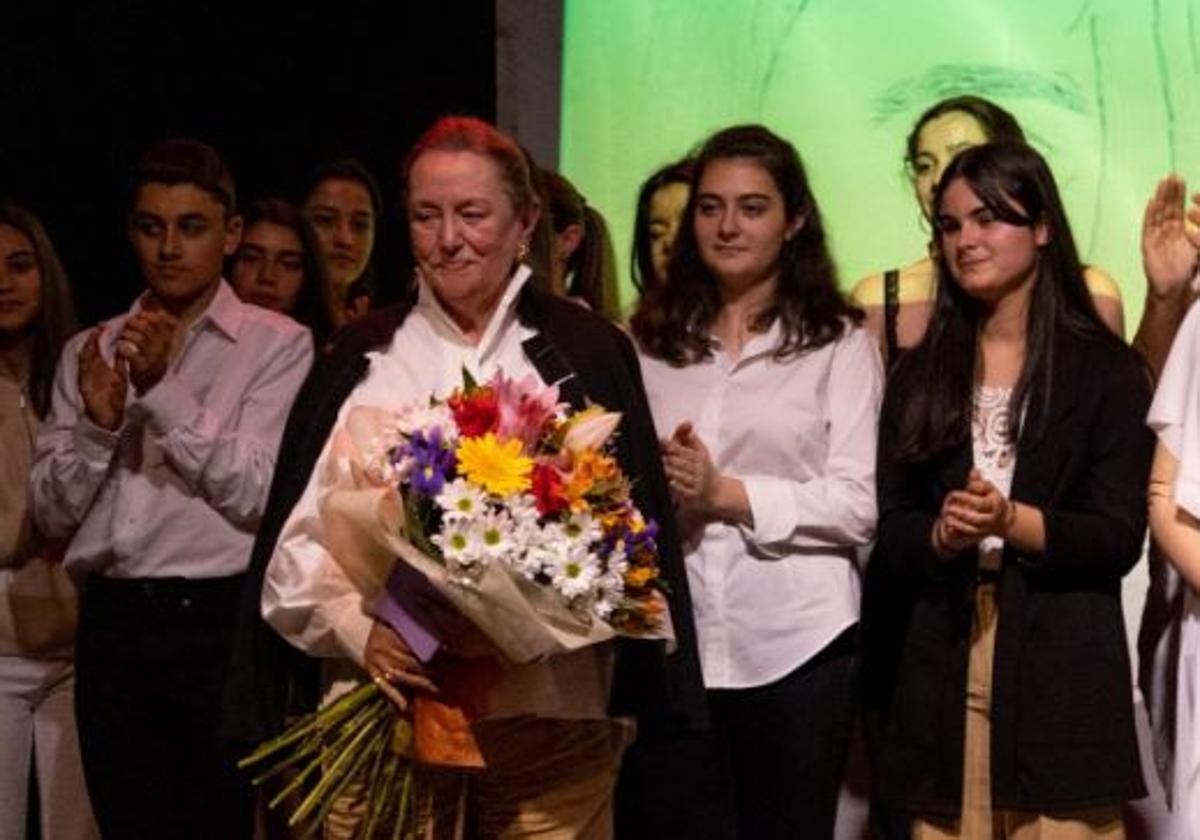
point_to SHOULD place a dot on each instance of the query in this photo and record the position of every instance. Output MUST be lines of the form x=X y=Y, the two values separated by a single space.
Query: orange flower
x=640 y=576
x=588 y=469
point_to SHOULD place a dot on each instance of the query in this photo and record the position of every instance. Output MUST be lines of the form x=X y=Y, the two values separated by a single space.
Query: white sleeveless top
x=995 y=454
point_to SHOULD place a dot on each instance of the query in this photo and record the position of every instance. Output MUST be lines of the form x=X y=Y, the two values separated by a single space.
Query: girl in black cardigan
x=1012 y=462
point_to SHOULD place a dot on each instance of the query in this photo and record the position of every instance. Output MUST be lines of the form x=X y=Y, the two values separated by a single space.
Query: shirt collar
x=225 y=311
x=758 y=344
x=427 y=301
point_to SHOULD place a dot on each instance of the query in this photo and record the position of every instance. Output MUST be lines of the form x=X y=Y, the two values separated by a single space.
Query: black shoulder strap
x=555 y=369
x=891 y=313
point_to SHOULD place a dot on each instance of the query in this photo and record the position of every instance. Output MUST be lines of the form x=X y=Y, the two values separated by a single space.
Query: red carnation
x=547 y=490
x=476 y=413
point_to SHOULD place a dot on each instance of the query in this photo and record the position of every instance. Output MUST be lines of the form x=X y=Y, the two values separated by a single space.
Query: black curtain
x=84 y=87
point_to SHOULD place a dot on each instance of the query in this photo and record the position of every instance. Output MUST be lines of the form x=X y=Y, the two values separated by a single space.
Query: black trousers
x=151 y=660
x=770 y=767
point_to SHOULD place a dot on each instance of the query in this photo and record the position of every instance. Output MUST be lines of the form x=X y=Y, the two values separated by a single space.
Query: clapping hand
x=102 y=386
x=689 y=468
x=145 y=344
x=979 y=510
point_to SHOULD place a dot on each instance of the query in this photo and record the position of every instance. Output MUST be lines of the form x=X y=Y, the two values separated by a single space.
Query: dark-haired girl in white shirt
x=767 y=393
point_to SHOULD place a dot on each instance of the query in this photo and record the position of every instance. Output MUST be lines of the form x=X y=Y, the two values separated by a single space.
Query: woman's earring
x=522 y=252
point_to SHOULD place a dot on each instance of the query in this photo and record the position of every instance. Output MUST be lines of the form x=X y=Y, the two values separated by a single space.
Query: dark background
x=85 y=87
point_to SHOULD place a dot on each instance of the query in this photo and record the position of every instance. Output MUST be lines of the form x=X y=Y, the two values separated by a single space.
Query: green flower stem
x=345 y=758
x=296 y=783
x=306 y=725
x=405 y=790
x=377 y=779
x=308 y=748
x=368 y=752
x=414 y=526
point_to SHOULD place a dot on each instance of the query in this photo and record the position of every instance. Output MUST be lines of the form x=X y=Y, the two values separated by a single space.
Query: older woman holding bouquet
x=547 y=729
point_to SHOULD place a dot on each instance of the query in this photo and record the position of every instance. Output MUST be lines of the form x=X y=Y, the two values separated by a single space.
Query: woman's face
x=20 y=282
x=344 y=218
x=938 y=141
x=465 y=229
x=988 y=258
x=740 y=222
x=666 y=211
x=268 y=268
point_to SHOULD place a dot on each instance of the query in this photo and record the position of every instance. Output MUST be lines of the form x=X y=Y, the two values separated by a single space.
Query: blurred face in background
x=666 y=213
x=938 y=141
x=20 y=283
x=344 y=219
x=268 y=268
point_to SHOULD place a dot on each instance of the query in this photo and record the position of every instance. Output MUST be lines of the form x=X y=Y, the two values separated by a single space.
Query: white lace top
x=995 y=454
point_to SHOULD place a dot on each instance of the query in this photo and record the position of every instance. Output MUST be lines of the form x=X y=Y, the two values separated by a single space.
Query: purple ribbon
x=399 y=605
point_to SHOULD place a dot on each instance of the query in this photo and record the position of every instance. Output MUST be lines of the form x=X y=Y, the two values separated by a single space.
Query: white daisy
x=522 y=507
x=582 y=528
x=459 y=544
x=493 y=534
x=531 y=560
x=574 y=572
x=460 y=500
x=610 y=591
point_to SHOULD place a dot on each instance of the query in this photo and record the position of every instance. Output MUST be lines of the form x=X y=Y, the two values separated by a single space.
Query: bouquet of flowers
x=495 y=505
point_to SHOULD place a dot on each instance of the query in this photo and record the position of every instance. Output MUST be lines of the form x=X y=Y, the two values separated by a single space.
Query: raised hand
x=145 y=343
x=103 y=387
x=1170 y=238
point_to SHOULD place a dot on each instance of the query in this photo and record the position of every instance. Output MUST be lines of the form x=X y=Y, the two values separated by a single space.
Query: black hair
x=591 y=267
x=998 y=125
x=938 y=376
x=673 y=320
x=56 y=313
x=182 y=160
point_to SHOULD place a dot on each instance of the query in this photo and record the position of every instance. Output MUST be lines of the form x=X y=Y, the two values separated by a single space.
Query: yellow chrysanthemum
x=495 y=465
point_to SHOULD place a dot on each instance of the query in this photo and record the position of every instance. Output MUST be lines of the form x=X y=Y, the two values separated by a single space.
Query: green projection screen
x=1106 y=89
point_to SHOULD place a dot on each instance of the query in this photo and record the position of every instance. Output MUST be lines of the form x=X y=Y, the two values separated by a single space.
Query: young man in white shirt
x=155 y=462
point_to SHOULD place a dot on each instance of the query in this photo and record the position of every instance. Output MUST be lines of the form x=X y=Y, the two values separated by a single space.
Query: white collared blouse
x=800 y=434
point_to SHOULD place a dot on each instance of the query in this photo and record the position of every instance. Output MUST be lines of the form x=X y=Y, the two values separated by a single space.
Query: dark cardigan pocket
x=1072 y=695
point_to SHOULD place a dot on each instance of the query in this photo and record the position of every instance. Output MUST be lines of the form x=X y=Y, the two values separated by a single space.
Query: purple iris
x=645 y=539
x=433 y=461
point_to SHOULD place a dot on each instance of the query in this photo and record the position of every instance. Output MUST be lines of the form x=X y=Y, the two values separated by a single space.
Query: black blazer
x=1062 y=718
x=269 y=678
